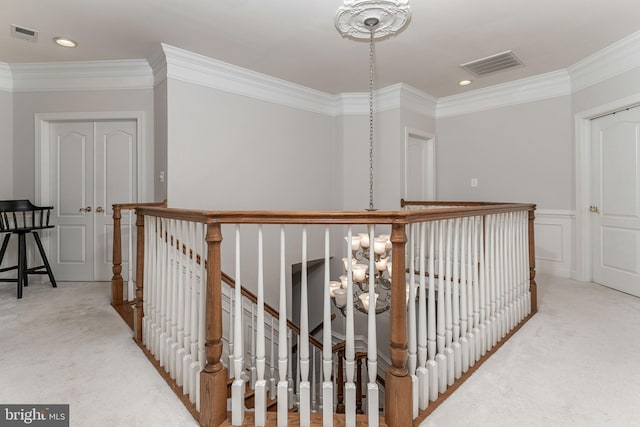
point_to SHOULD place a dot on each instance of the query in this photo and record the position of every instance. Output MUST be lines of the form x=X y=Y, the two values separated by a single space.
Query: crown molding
x=6 y=81
x=197 y=69
x=618 y=58
x=158 y=64
x=543 y=86
x=398 y=96
x=86 y=75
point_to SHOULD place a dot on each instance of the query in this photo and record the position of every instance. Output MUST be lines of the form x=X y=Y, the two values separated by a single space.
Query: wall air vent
x=24 y=33
x=492 y=64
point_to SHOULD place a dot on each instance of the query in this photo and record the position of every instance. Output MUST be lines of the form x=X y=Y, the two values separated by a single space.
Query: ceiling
x=296 y=39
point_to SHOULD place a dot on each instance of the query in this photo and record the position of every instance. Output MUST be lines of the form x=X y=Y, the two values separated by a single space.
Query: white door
x=420 y=177
x=615 y=217
x=93 y=165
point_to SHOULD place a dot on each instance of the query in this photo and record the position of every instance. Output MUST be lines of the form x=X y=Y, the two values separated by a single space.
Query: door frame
x=583 y=257
x=42 y=140
x=430 y=139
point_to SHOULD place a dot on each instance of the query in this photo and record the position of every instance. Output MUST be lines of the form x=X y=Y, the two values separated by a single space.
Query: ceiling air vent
x=24 y=33
x=492 y=64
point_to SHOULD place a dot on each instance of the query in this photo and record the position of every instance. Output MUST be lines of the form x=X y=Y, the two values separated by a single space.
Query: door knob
x=99 y=209
x=87 y=209
x=594 y=209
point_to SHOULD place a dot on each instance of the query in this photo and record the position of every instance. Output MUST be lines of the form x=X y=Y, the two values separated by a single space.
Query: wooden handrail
x=335 y=217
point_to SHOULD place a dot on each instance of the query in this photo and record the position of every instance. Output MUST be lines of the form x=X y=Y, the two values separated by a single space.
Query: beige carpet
x=576 y=363
x=67 y=345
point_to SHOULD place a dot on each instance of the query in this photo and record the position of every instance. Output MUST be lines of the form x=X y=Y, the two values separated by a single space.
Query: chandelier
x=372 y=20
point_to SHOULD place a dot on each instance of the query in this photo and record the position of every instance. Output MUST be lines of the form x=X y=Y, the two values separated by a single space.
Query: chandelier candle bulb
x=380 y=245
x=364 y=240
x=340 y=297
x=333 y=285
x=365 y=300
x=359 y=272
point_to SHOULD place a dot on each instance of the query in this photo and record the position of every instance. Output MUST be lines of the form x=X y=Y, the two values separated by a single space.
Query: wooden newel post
x=533 y=287
x=213 y=379
x=116 y=281
x=137 y=319
x=398 y=399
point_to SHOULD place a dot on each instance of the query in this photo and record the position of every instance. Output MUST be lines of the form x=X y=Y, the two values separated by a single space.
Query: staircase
x=471 y=271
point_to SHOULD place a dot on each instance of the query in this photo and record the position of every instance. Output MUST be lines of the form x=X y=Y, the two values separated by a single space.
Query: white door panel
x=115 y=183
x=616 y=200
x=71 y=144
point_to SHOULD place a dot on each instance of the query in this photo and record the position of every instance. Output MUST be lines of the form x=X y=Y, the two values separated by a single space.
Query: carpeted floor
x=574 y=364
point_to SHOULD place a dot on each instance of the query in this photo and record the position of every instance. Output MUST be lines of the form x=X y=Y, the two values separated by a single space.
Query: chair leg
x=43 y=255
x=5 y=243
x=22 y=262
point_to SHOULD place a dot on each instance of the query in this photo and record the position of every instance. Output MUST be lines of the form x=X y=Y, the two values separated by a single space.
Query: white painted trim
x=41 y=142
x=555 y=256
x=615 y=59
x=86 y=75
x=582 y=150
x=6 y=80
x=158 y=64
x=201 y=70
x=543 y=86
x=431 y=159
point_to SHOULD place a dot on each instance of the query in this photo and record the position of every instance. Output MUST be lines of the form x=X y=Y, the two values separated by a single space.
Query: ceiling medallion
x=391 y=16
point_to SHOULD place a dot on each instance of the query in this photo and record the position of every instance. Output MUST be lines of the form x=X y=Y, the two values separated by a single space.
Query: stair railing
x=474 y=286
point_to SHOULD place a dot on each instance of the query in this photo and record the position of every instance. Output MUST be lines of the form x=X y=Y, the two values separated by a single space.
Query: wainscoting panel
x=554 y=234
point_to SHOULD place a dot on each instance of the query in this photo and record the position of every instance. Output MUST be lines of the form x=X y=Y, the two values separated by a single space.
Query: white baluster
x=476 y=292
x=252 y=354
x=350 y=387
x=261 y=383
x=175 y=248
x=441 y=359
x=464 y=341
x=148 y=297
x=182 y=301
x=432 y=365
x=283 y=406
x=272 y=362
x=327 y=356
x=314 y=404
x=131 y=289
x=482 y=289
x=164 y=285
x=412 y=357
x=491 y=263
x=238 y=387
x=422 y=372
x=457 y=349
x=290 y=382
x=190 y=301
x=448 y=311
x=303 y=348
x=471 y=336
x=372 y=345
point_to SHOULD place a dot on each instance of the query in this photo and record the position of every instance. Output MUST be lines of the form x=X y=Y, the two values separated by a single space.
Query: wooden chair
x=21 y=217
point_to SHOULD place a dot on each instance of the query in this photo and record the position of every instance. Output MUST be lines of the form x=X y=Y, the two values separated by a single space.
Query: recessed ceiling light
x=464 y=82
x=65 y=42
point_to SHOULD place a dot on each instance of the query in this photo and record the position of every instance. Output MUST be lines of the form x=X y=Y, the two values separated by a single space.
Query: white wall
x=518 y=153
x=6 y=145
x=27 y=104
x=227 y=151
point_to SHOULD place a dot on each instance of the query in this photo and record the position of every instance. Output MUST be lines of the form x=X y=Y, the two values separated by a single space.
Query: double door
x=92 y=166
